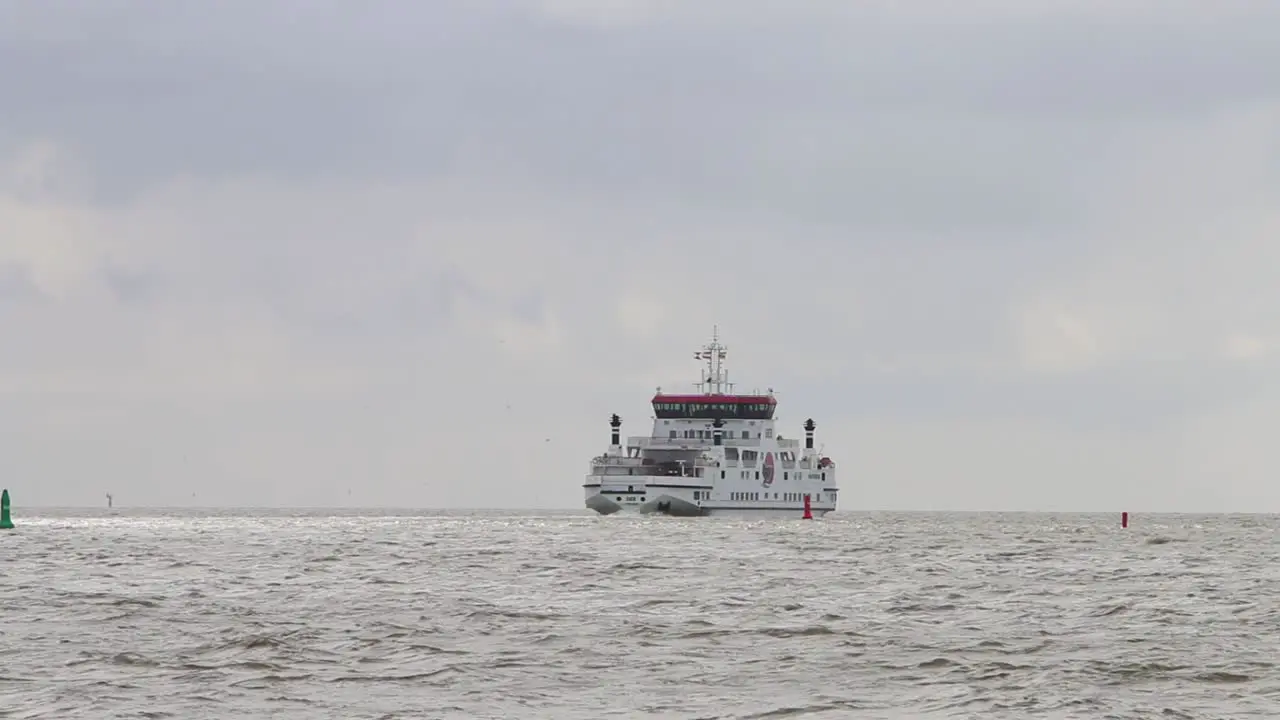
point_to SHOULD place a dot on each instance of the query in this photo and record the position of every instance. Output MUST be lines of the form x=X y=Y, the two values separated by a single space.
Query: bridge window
x=707 y=410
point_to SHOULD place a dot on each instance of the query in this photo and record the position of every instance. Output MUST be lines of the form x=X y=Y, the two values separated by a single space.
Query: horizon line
x=403 y=508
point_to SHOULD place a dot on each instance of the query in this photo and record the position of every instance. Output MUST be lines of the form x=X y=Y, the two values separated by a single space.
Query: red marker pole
x=1124 y=519
x=808 y=513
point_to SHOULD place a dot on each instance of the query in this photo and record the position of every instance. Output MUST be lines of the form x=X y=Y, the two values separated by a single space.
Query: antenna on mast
x=715 y=380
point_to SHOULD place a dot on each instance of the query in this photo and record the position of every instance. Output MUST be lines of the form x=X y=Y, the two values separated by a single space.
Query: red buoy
x=808 y=514
x=1124 y=519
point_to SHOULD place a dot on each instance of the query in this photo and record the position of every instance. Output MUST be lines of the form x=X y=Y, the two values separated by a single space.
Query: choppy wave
x=573 y=616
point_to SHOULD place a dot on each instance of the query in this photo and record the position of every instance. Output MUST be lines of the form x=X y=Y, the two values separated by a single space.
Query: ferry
x=712 y=453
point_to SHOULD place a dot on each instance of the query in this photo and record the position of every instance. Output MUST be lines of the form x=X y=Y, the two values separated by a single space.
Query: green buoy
x=5 y=522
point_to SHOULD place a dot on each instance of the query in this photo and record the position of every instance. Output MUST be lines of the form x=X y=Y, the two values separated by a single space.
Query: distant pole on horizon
x=1124 y=519
x=109 y=499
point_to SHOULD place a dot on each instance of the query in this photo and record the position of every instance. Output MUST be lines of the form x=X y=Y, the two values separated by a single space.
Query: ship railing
x=651 y=473
x=681 y=443
x=643 y=441
x=612 y=461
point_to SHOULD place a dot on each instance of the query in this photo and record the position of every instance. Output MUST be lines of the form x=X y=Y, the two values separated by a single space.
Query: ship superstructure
x=712 y=452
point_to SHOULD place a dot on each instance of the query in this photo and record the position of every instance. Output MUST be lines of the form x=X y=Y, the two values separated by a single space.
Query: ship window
x=673 y=434
x=768 y=432
x=784 y=476
x=706 y=411
x=757 y=474
x=721 y=474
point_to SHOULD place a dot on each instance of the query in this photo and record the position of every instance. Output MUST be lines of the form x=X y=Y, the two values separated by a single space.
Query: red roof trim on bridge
x=721 y=399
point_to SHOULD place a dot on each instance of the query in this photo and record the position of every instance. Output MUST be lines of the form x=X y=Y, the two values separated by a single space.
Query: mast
x=715 y=379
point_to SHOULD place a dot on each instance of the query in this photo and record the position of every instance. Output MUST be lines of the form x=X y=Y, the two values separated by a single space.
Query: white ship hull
x=718 y=512
x=639 y=499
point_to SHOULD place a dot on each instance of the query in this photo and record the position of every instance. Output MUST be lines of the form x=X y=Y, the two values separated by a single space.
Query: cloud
x=1012 y=257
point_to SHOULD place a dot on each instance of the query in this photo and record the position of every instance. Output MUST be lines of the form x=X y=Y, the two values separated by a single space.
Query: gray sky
x=1016 y=256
